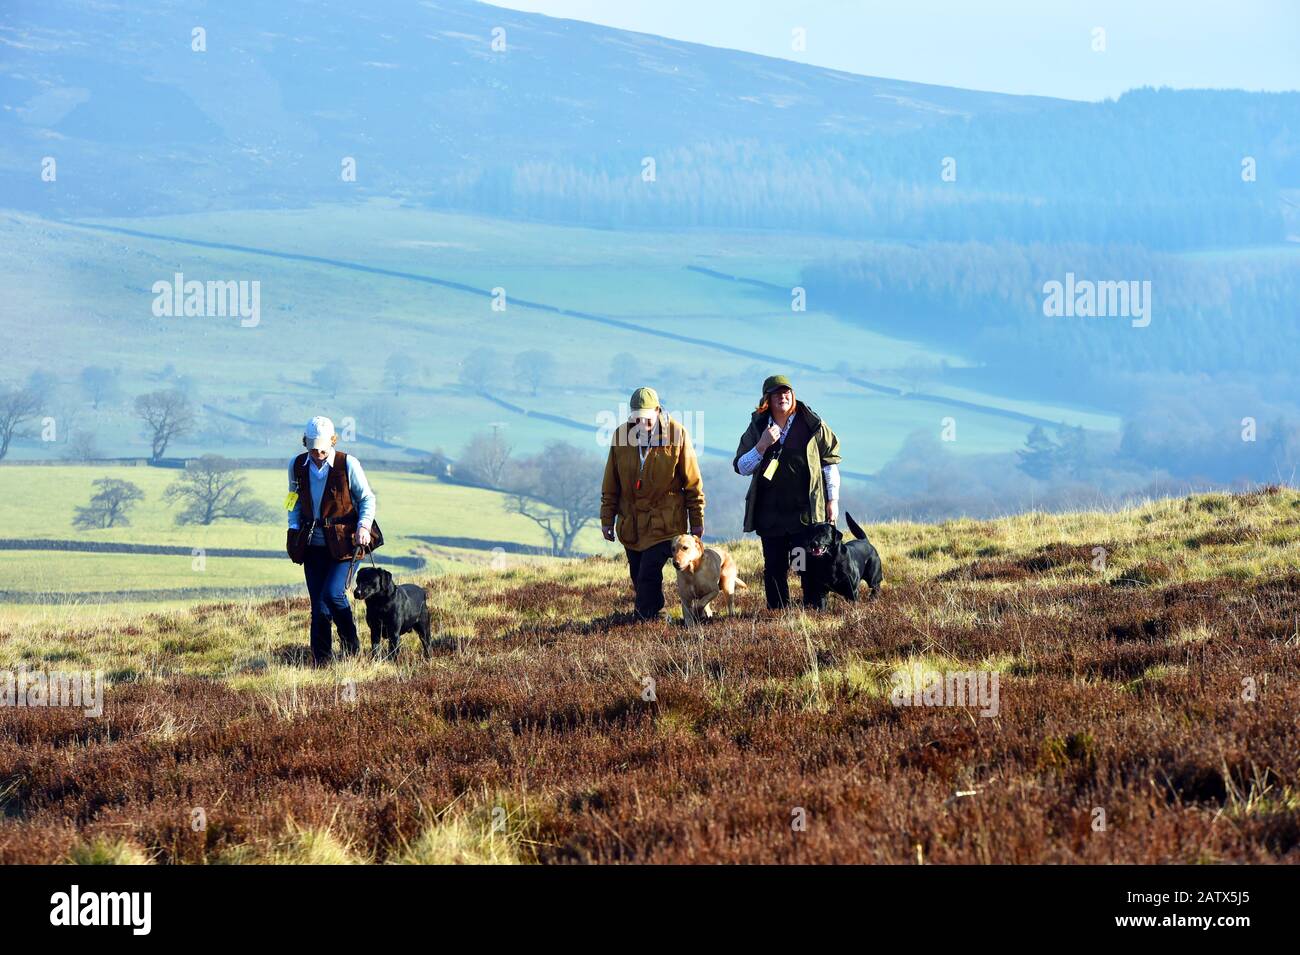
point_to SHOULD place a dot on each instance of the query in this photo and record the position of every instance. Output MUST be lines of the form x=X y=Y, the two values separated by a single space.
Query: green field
x=67 y=286
x=410 y=507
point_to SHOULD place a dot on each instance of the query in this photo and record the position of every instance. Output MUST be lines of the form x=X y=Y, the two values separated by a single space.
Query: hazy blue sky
x=1013 y=46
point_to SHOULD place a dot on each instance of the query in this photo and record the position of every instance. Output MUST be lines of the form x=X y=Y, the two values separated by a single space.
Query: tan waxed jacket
x=658 y=500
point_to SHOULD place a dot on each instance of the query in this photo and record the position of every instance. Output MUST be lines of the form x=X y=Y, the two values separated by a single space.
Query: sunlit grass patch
x=1197 y=634
x=999 y=663
x=909 y=676
x=102 y=850
x=867 y=677
x=496 y=830
x=309 y=845
x=457 y=841
x=673 y=724
x=1155 y=674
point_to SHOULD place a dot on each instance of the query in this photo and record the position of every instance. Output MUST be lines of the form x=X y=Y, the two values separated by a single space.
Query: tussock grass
x=105 y=851
x=310 y=846
x=458 y=842
x=496 y=832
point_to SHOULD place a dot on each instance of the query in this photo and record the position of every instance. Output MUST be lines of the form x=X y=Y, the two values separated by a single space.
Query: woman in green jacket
x=792 y=459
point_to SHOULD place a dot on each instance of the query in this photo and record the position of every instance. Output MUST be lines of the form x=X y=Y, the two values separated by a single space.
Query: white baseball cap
x=318 y=433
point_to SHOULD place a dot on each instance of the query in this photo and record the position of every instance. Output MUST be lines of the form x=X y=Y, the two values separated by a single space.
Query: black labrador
x=392 y=610
x=839 y=567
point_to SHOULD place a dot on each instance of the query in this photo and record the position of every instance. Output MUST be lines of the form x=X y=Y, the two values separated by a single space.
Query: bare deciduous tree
x=109 y=505
x=17 y=406
x=168 y=415
x=45 y=385
x=554 y=491
x=382 y=418
x=212 y=489
x=484 y=460
x=396 y=369
x=480 y=368
x=533 y=369
x=270 y=425
x=66 y=410
x=81 y=447
x=331 y=379
x=98 y=384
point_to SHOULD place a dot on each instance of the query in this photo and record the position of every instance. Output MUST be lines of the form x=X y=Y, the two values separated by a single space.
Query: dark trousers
x=646 y=568
x=327 y=580
x=777 y=553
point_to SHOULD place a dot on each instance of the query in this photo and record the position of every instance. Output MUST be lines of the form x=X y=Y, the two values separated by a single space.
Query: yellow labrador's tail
x=741 y=584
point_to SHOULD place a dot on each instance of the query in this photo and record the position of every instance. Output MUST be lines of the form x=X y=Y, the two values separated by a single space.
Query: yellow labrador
x=702 y=574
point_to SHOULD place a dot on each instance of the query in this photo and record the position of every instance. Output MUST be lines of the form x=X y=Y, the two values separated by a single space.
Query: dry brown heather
x=1120 y=690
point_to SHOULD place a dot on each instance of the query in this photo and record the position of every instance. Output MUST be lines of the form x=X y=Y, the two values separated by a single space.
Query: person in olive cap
x=792 y=460
x=651 y=493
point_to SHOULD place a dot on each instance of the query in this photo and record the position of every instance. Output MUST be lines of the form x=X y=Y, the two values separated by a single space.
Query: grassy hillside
x=86 y=284
x=1154 y=691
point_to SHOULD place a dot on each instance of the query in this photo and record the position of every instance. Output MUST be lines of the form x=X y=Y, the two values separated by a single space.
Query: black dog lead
x=352 y=566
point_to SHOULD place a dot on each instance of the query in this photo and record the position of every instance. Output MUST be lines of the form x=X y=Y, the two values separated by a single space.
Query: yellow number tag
x=291 y=501
x=769 y=470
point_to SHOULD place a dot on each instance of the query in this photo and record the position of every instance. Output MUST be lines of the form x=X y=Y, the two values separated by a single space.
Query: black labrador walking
x=839 y=567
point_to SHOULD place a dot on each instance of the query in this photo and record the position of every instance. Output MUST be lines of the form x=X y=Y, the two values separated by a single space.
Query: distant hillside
x=557 y=124
x=1161 y=168
x=414 y=92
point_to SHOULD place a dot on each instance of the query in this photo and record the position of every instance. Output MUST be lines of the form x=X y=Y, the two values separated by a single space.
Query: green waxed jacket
x=823 y=448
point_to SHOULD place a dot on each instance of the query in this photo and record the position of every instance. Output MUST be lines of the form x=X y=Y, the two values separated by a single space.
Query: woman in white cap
x=652 y=489
x=331 y=512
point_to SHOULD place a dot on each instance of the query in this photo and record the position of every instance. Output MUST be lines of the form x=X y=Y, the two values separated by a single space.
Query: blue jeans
x=327 y=580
